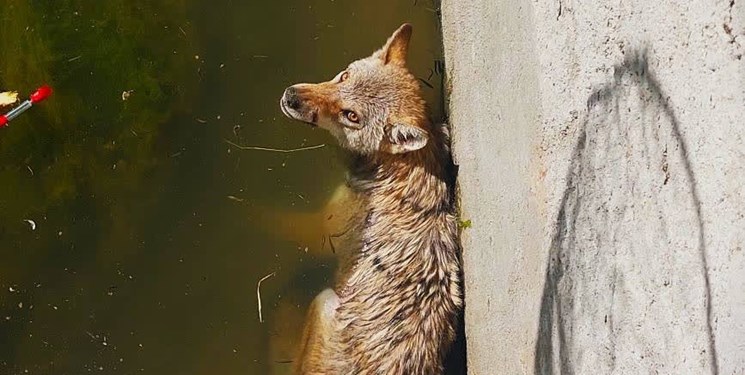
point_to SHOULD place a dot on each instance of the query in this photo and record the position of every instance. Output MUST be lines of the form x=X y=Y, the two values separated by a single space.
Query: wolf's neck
x=416 y=183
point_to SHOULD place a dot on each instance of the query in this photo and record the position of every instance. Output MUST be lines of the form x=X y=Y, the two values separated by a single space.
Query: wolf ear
x=405 y=138
x=394 y=50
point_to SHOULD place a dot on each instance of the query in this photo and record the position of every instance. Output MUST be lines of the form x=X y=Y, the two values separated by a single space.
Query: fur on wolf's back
x=398 y=308
x=398 y=303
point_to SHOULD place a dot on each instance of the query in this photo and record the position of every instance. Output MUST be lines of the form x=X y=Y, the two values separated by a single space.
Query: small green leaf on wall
x=464 y=224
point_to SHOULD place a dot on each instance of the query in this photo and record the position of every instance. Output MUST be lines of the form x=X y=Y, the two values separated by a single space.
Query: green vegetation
x=87 y=140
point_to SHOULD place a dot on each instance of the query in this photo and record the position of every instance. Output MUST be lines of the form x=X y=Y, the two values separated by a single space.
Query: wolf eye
x=352 y=116
x=344 y=77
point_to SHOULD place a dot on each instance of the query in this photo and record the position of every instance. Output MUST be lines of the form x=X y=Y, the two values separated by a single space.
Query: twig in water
x=426 y=83
x=258 y=294
x=255 y=148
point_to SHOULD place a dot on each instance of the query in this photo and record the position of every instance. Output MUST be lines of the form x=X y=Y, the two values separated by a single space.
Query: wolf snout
x=291 y=98
x=294 y=107
x=291 y=103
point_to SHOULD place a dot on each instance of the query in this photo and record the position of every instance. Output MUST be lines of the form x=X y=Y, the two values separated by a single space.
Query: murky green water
x=151 y=229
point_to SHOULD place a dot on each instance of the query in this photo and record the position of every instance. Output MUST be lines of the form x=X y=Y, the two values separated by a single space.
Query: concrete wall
x=601 y=147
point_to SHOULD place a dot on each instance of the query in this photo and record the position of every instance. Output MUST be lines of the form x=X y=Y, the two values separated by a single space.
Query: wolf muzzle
x=294 y=107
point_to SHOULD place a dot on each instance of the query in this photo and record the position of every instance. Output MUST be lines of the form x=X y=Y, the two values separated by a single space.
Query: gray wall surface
x=601 y=147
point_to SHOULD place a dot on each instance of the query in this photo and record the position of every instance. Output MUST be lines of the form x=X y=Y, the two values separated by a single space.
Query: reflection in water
x=149 y=243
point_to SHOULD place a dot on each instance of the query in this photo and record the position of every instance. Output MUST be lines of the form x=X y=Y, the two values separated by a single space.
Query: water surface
x=151 y=230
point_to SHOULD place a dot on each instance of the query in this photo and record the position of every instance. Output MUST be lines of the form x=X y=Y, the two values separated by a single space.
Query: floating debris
x=8 y=97
x=38 y=96
x=256 y=148
x=258 y=293
x=31 y=223
x=126 y=94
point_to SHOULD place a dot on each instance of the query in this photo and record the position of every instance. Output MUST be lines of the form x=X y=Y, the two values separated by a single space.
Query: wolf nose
x=291 y=98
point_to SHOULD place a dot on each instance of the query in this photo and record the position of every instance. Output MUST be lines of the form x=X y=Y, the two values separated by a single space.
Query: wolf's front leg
x=315 y=345
x=322 y=232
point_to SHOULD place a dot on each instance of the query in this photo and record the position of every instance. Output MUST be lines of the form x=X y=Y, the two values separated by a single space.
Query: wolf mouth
x=295 y=115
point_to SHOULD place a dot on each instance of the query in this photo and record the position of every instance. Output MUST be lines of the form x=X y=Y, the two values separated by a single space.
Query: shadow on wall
x=627 y=288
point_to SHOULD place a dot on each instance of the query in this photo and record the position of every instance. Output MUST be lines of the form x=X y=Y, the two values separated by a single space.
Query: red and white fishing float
x=42 y=93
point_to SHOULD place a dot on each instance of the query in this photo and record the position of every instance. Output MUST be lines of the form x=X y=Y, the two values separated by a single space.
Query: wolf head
x=373 y=106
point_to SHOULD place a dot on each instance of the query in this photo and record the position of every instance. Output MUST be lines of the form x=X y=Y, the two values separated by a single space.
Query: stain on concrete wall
x=627 y=288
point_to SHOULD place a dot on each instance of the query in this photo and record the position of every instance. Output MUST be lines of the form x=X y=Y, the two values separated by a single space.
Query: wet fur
x=395 y=309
